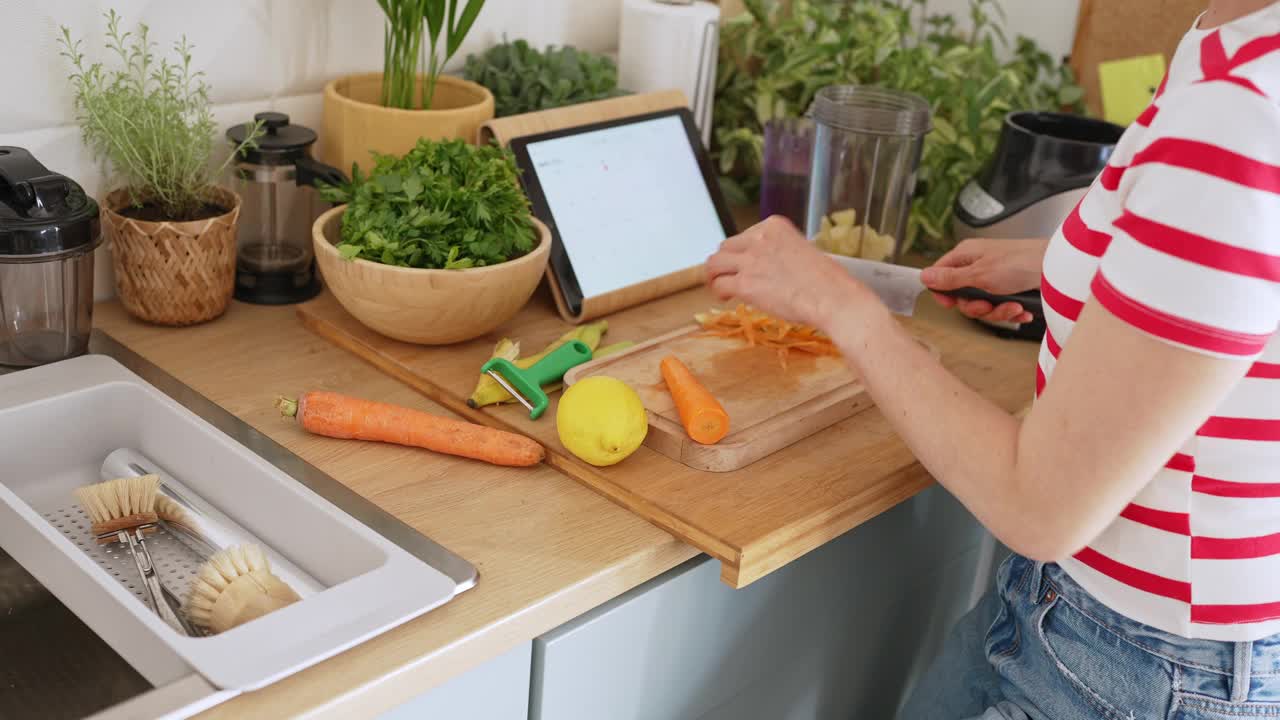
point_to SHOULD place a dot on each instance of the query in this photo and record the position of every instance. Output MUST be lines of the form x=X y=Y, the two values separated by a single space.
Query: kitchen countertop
x=547 y=548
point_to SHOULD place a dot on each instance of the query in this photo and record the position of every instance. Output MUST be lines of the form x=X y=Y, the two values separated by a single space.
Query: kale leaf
x=524 y=79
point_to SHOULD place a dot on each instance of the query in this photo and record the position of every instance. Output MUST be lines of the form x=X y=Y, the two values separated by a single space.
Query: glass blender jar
x=275 y=263
x=866 y=150
x=49 y=229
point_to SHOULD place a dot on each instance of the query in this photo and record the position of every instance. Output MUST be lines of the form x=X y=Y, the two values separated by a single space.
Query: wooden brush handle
x=107 y=530
x=249 y=597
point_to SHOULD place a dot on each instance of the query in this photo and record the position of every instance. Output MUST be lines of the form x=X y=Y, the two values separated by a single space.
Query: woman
x=1141 y=495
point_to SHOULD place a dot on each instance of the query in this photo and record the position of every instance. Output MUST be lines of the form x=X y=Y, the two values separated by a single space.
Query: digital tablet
x=626 y=201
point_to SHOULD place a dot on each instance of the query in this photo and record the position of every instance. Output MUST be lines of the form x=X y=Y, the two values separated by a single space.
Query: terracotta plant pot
x=355 y=124
x=173 y=273
x=429 y=307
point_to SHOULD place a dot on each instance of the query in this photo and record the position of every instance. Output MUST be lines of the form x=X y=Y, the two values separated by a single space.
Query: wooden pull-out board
x=755 y=519
x=770 y=406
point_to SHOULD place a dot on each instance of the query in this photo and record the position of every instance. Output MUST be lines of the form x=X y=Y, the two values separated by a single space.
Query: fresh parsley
x=523 y=79
x=445 y=205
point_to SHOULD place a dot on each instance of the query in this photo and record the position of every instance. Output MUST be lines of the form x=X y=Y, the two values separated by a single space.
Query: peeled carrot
x=700 y=413
x=340 y=416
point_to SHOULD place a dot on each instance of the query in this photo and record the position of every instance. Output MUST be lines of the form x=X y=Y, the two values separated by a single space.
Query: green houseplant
x=388 y=112
x=776 y=56
x=524 y=79
x=436 y=246
x=172 y=229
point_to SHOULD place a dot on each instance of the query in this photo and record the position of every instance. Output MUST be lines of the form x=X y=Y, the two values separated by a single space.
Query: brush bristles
x=115 y=499
x=171 y=512
x=218 y=572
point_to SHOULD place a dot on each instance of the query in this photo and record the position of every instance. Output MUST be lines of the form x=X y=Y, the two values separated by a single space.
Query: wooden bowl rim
x=323 y=245
x=484 y=98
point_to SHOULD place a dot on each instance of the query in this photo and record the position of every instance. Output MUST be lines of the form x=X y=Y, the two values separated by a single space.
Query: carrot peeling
x=701 y=414
x=349 y=418
x=761 y=330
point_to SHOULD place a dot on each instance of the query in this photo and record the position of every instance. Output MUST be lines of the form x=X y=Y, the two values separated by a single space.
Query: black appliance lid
x=42 y=212
x=1038 y=155
x=280 y=142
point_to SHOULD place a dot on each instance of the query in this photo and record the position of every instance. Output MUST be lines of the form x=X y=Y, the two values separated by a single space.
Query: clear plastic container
x=867 y=147
x=784 y=184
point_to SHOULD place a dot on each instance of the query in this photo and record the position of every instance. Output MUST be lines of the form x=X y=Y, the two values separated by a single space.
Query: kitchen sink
x=77 y=638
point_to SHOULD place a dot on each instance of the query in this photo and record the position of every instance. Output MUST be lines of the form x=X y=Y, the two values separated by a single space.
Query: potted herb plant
x=524 y=79
x=388 y=112
x=172 y=230
x=434 y=247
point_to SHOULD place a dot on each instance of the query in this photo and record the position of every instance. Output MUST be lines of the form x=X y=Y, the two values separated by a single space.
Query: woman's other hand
x=772 y=267
x=1001 y=267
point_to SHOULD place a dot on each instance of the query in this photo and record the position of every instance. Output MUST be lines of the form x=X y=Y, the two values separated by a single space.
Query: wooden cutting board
x=769 y=406
x=754 y=520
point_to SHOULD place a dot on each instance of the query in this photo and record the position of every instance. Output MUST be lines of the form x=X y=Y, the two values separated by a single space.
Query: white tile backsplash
x=256 y=55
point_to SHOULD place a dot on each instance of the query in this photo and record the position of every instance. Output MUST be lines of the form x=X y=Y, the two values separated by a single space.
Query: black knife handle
x=1029 y=300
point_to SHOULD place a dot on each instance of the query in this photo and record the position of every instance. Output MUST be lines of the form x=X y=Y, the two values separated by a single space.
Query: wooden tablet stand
x=504 y=130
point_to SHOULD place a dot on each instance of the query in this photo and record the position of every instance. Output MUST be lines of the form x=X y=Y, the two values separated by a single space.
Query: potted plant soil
x=172 y=230
x=388 y=112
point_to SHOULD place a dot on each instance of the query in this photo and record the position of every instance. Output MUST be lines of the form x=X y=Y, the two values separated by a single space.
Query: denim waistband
x=1255 y=658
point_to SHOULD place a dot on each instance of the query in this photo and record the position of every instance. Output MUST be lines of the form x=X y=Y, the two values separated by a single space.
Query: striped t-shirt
x=1180 y=238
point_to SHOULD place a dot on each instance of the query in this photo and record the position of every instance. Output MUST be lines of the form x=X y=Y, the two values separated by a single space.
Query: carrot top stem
x=288 y=406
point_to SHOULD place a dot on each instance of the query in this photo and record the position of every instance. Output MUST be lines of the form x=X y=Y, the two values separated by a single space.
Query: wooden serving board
x=755 y=519
x=769 y=406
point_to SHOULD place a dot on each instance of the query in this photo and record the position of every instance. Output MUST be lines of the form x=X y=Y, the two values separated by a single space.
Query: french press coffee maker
x=275 y=263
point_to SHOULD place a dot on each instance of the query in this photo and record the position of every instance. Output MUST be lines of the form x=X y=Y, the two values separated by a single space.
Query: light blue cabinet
x=496 y=690
x=838 y=633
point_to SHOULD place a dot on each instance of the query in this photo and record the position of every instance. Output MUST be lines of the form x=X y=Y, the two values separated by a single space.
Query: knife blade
x=899 y=286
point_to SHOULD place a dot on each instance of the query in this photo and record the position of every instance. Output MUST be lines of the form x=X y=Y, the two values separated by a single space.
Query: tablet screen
x=630 y=202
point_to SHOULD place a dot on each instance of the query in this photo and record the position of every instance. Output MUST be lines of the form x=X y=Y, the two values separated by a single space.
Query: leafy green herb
x=150 y=120
x=443 y=205
x=522 y=79
x=777 y=55
x=402 y=50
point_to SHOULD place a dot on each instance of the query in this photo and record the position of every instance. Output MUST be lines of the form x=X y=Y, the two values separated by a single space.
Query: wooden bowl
x=428 y=307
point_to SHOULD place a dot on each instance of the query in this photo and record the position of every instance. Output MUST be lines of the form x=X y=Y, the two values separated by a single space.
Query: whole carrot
x=341 y=416
x=701 y=414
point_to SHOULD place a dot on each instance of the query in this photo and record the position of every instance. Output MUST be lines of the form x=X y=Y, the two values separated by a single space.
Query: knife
x=899 y=286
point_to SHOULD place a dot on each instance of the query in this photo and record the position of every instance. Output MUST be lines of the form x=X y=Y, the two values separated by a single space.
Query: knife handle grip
x=1029 y=300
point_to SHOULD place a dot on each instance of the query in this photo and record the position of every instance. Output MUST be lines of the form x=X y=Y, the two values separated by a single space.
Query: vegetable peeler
x=526 y=385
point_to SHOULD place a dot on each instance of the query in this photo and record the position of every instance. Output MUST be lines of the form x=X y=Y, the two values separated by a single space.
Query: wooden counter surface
x=547 y=548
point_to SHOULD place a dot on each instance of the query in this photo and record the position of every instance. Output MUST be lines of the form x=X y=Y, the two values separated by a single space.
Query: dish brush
x=235 y=586
x=124 y=510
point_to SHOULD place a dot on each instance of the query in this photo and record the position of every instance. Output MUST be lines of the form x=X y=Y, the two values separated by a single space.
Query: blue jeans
x=1041 y=648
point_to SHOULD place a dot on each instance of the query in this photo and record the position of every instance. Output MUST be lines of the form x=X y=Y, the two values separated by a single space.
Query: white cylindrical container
x=664 y=45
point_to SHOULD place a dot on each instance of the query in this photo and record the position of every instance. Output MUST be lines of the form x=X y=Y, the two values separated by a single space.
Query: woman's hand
x=1002 y=267
x=771 y=266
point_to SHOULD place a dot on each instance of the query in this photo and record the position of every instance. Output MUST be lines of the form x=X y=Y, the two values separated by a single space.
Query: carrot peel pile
x=759 y=329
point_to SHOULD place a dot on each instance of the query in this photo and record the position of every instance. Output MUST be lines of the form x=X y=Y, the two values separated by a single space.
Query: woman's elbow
x=1043 y=543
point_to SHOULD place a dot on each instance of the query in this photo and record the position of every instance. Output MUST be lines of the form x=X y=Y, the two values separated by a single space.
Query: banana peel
x=489 y=392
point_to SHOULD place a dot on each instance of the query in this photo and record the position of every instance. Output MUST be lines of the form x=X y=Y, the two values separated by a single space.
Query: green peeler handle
x=551 y=369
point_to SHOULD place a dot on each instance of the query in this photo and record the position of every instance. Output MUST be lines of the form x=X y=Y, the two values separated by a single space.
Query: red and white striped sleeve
x=1195 y=256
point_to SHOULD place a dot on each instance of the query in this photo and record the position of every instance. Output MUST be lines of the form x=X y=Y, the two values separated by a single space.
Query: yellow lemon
x=601 y=420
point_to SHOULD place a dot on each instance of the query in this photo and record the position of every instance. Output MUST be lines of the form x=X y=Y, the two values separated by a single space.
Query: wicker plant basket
x=173 y=273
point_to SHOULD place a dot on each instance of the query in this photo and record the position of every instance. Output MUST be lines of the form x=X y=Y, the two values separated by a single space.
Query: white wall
x=277 y=55
x=1051 y=23
x=257 y=54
